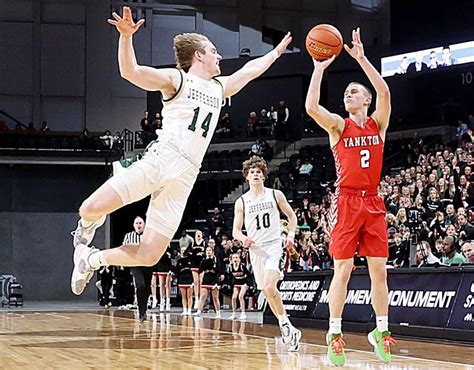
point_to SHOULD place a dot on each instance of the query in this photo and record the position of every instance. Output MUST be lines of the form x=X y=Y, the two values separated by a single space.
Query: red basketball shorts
x=357 y=224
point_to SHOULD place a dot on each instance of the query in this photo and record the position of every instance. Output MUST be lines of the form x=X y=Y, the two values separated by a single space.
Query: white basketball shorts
x=167 y=176
x=267 y=258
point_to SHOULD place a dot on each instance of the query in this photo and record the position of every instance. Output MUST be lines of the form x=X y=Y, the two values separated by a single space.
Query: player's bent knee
x=270 y=292
x=379 y=273
x=343 y=273
x=89 y=209
x=149 y=258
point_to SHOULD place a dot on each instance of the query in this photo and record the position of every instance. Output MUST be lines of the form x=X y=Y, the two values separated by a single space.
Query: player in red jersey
x=357 y=214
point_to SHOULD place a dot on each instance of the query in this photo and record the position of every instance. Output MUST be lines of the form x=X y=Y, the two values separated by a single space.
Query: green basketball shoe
x=381 y=342
x=336 y=355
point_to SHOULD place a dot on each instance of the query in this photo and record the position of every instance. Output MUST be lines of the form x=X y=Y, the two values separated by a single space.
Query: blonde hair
x=401 y=218
x=255 y=162
x=185 y=45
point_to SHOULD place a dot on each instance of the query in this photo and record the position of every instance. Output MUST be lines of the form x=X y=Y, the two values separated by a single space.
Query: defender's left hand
x=281 y=47
x=357 y=50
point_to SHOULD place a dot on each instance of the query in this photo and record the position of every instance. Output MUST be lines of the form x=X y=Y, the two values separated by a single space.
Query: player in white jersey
x=259 y=209
x=192 y=99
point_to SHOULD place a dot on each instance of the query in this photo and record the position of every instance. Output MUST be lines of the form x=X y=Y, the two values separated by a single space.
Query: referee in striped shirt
x=141 y=275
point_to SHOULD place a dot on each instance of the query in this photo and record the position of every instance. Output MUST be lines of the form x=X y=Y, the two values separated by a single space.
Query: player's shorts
x=165 y=174
x=267 y=257
x=357 y=223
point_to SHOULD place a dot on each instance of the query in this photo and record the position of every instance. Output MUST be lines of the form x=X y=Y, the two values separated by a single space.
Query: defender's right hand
x=126 y=26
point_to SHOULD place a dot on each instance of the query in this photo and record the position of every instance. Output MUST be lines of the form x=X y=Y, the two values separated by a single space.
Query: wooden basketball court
x=115 y=339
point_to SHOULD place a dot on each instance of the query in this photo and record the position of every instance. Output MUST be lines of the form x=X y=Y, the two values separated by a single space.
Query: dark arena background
x=67 y=119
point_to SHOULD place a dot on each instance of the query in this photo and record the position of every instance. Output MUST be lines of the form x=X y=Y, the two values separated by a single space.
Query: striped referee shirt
x=132 y=238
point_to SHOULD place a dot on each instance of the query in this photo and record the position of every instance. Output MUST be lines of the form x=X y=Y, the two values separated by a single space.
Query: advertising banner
x=422 y=299
x=462 y=315
x=300 y=294
x=357 y=308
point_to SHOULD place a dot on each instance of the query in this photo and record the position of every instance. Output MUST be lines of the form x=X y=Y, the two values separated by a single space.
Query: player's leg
x=152 y=246
x=128 y=186
x=101 y=202
x=290 y=335
x=337 y=296
x=123 y=188
x=374 y=245
x=217 y=303
x=242 y=292
x=379 y=288
x=163 y=217
x=338 y=290
x=235 y=294
x=273 y=295
x=344 y=236
x=380 y=337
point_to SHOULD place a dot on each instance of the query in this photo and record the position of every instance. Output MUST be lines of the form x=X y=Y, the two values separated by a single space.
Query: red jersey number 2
x=364 y=158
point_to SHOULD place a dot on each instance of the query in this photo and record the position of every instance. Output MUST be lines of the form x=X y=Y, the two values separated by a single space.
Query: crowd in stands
x=262 y=149
x=271 y=122
x=28 y=136
x=19 y=127
x=148 y=127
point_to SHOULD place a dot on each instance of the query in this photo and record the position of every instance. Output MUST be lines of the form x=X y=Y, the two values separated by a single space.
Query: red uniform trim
x=185 y=286
x=210 y=287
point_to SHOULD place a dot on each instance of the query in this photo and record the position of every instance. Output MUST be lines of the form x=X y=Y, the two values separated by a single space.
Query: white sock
x=283 y=319
x=97 y=260
x=382 y=323
x=335 y=325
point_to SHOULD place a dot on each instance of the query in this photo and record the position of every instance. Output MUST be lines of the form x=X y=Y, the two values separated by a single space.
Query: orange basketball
x=323 y=41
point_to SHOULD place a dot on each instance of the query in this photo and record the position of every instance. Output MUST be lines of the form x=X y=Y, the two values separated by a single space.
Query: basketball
x=323 y=41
